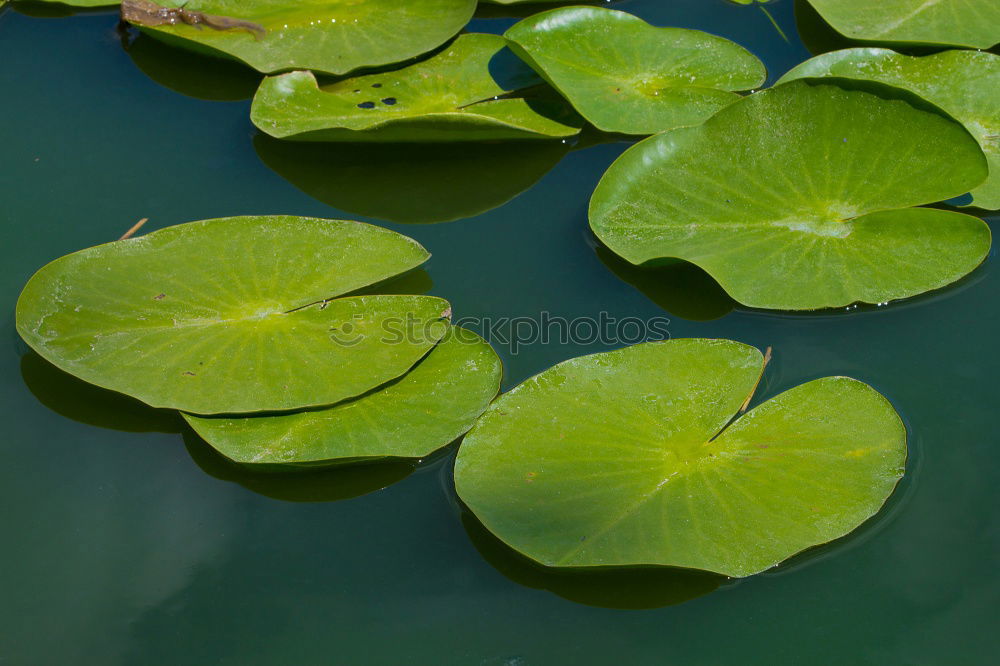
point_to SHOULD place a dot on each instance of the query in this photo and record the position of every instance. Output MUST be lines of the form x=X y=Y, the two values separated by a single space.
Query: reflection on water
x=411 y=183
x=638 y=588
x=321 y=485
x=190 y=73
x=77 y=400
x=679 y=287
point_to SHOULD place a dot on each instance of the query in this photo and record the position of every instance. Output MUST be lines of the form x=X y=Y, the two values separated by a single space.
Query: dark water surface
x=127 y=541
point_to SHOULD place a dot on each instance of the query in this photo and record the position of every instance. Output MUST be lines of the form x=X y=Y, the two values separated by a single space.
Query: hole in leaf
x=376 y=85
x=366 y=105
x=389 y=100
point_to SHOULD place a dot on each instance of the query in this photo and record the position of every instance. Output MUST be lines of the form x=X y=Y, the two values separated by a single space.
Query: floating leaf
x=973 y=23
x=450 y=97
x=796 y=198
x=624 y=75
x=965 y=84
x=233 y=315
x=429 y=407
x=628 y=458
x=332 y=36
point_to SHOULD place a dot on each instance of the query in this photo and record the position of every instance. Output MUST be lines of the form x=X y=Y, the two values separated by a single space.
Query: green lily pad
x=332 y=36
x=234 y=315
x=972 y=23
x=624 y=75
x=630 y=458
x=965 y=84
x=450 y=97
x=429 y=407
x=797 y=198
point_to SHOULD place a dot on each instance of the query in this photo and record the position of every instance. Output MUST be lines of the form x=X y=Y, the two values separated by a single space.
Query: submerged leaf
x=797 y=198
x=974 y=23
x=624 y=75
x=234 y=315
x=429 y=407
x=452 y=96
x=628 y=458
x=965 y=84
x=332 y=36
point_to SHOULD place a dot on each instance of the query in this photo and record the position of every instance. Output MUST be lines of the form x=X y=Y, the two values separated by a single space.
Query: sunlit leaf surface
x=233 y=315
x=799 y=197
x=974 y=23
x=965 y=84
x=453 y=96
x=630 y=458
x=624 y=75
x=430 y=406
x=333 y=36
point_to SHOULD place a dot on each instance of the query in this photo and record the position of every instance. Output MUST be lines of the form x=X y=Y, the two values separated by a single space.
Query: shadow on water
x=77 y=400
x=328 y=484
x=679 y=287
x=816 y=34
x=416 y=281
x=187 y=72
x=411 y=183
x=627 y=589
x=522 y=10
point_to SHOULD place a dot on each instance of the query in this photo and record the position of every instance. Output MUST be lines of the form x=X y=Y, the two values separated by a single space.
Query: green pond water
x=128 y=541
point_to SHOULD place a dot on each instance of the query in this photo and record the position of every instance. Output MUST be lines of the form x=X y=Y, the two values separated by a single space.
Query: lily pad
x=972 y=23
x=331 y=36
x=429 y=407
x=624 y=75
x=797 y=198
x=632 y=457
x=965 y=84
x=452 y=96
x=234 y=315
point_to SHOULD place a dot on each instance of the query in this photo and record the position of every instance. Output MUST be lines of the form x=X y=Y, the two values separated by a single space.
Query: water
x=129 y=542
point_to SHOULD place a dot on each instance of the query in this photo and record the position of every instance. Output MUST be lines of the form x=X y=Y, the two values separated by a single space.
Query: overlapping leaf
x=798 y=198
x=450 y=97
x=433 y=404
x=629 y=458
x=333 y=36
x=624 y=75
x=234 y=315
x=965 y=84
x=973 y=23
